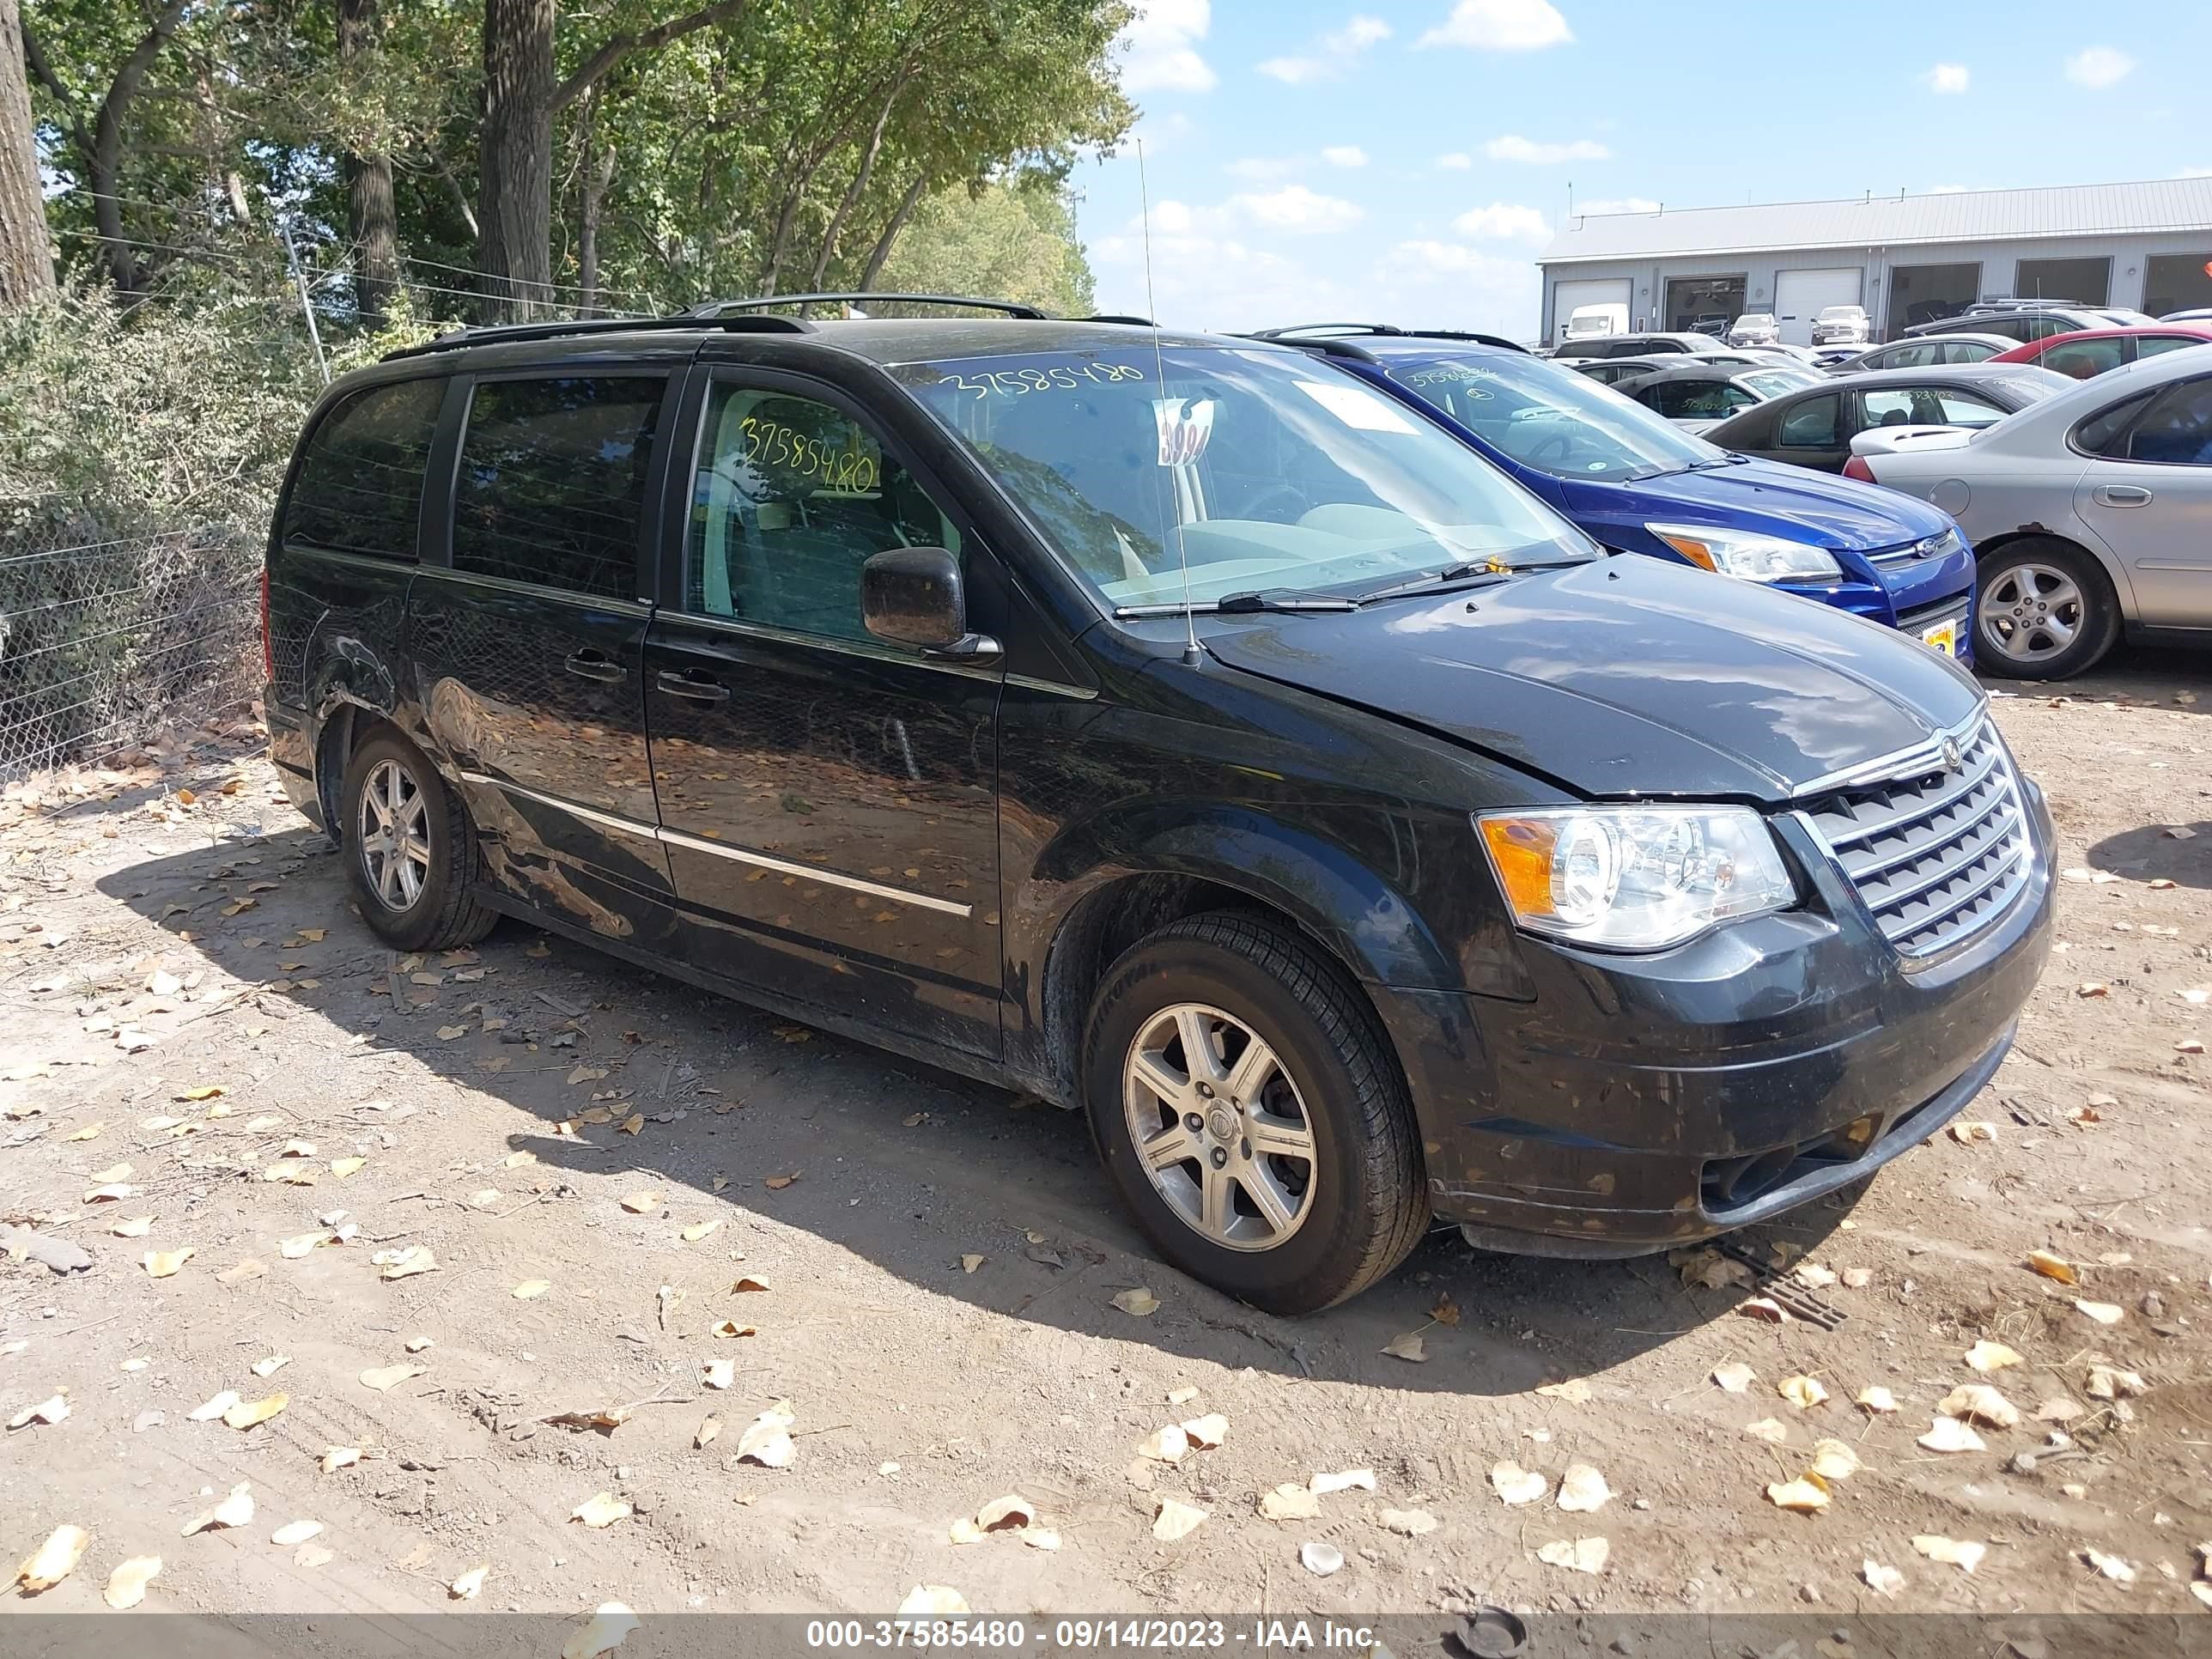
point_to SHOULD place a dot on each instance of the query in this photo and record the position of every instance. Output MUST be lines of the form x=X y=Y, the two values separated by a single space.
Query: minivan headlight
x=1635 y=878
x=1747 y=554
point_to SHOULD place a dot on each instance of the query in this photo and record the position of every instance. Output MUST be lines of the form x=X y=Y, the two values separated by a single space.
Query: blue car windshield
x=1552 y=419
x=1262 y=471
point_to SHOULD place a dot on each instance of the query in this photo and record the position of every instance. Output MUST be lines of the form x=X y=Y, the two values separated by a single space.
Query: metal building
x=1906 y=259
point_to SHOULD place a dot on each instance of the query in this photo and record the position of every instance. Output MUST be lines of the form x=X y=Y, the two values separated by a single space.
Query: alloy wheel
x=1219 y=1127
x=394 y=835
x=2031 y=612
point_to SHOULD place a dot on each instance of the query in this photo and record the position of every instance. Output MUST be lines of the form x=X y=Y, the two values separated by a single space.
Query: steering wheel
x=1291 y=494
x=1544 y=448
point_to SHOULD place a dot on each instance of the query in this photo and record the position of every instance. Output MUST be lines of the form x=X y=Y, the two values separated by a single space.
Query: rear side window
x=2084 y=359
x=1810 y=425
x=551 y=483
x=360 y=484
x=2175 y=427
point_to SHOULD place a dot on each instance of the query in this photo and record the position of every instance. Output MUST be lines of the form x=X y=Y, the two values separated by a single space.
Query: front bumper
x=1639 y=1102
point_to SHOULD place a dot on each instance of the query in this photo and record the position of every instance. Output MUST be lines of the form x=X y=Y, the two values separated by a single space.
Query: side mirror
x=914 y=595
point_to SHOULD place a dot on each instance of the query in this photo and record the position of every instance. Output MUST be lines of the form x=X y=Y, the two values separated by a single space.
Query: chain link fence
x=105 y=644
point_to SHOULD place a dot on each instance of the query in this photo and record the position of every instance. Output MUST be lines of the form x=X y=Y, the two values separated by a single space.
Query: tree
x=26 y=273
x=372 y=211
x=1011 y=240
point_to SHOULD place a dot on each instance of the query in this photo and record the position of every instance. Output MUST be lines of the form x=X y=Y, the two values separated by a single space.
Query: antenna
x=1190 y=651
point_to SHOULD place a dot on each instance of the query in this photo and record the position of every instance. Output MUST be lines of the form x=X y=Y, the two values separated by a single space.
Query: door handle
x=701 y=689
x=2122 y=494
x=593 y=666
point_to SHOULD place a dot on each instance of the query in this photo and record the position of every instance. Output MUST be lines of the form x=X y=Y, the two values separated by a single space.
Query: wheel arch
x=2115 y=572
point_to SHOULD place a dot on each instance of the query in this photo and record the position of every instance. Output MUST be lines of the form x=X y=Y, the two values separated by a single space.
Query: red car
x=2092 y=350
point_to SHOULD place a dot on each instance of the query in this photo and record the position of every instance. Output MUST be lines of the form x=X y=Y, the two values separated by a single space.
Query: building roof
x=1965 y=215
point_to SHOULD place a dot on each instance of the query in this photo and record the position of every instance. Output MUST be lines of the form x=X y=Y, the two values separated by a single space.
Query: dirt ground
x=195 y=1028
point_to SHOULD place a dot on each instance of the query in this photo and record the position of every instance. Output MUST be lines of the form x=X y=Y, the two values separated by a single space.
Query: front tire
x=410 y=850
x=1250 y=1114
x=2044 y=609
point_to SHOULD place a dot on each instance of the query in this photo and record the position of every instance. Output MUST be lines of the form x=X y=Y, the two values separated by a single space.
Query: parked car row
x=1274 y=748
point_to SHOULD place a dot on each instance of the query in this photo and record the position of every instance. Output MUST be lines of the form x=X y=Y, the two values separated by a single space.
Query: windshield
x=1773 y=382
x=1262 y=470
x=1842 y=314
x=1755 y=320
x=1553 y=419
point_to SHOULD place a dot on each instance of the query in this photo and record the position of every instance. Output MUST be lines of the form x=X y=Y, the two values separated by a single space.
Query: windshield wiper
x=1469 y=574
x=1239 y=605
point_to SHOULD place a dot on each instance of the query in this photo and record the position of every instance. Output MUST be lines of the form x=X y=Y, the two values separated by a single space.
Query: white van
x=1588 y=322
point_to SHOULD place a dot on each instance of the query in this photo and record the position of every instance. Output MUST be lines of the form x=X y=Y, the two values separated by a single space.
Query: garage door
x=1570 y=297
x=1801 y=295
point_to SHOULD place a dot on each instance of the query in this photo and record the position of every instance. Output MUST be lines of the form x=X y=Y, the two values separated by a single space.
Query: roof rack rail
x=1315 y=333
x=715 y=308
x=496 y=333
x=1116 y=317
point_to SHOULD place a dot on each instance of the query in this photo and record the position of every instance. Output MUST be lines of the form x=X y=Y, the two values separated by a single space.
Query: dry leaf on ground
x=1736 y=1377
x=1966 y=1133
x=50 y=1410
x=1410 y=1524
x=925 y=1600
x=1768 y=1430
x=2104 y=1313
x=1408 y=1347
x=1833 y=1460
x=1138 y=1302
x=1978 y=1402
x=2112 y=1566
x=641 y=1203
x=1963 y=1554
x=334 y=1458
x=1764 y=1309
x=531 y=1289
x=126 y=1585
x=1582 y=1489
x=767 y=1439
x=1803 y=1392
x=719 y=1373
x=1165 y=1445
x=1986 y=1356
x=405 y=1263
x=1345 y=1480
x=1290 y=1502
x=1875 y=1401
x=1581 y=1555
x=1949 y=1434
x=699 y=1230
x=385 y=1377
x=236 y=1510
x=295 y=1532
x=1172 y=1520
x=600 y=1510
x=2053 y=1266
x=214 y=1407
x=137 y=1227
x=161 y=1264
x=1803 y=1496
x=1883 y=1580
x=53 y=1560
x=1514 y=1484
x=470 y=1585
x=1207 y=1432
x=1575 y=1391
x=249 y=1413
x=2111 y=1382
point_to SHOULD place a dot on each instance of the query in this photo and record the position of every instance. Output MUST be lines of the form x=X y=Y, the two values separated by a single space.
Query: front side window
x=791 y=498
x=2084 y=359
x=1961 y=351
x=1258 y=469
x=552 y=479
x=1811 y=424
x=2175 y=428
x=360 y=484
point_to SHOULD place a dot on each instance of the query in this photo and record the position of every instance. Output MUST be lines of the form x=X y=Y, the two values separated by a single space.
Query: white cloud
x=1296 y=209
x=1512 y=146
x=2194 y=173
x=1345 y=156
x=1446 y=285
x=1501 y=25
x=1458 y=162
x=1159 y=48
x=2099 y=67
x=1259 y=168
x=1947 y=77
x=1504 y=221
x=1619 y=204
x=1332 y=54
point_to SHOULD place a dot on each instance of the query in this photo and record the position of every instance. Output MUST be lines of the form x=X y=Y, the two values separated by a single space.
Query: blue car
x=1640 y=483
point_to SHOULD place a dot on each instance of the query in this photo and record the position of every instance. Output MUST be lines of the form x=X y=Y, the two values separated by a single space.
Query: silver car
x=2091 y=513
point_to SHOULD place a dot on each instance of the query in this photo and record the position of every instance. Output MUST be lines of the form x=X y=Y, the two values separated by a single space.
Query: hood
x=1624 y=677
x=1790 y=500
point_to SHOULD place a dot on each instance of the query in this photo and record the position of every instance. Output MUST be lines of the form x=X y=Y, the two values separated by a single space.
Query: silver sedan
x=2091 y=513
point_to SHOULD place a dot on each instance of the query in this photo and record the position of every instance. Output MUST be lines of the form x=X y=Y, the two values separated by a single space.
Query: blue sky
x=1406 y=161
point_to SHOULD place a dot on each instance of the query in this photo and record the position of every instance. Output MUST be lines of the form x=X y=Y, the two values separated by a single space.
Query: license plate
x=1942 y=636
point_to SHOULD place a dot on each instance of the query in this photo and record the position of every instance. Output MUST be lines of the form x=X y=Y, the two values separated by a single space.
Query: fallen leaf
x=1165 y=1445
x=250 y=1413
x=731 y=1328
x=767 y=1439
x=53 y=1560
x=641 y=1203
x=334 y=1458
x=470 y=1585
x=303 y=1243
x=2053 y=1266
x=1575 y=1391
x=137 y=1227
x=384 y=1378
x=214 y=1407
x=748 y=1285
x=1883 y=1580
x=236 y=1510
x=1764 y=1308
x=126 y=1585
x=600 y=1510
x=1408 y=1348
x=272 y=1364
x=161 y=1264
x=1446 y=1311
x=1409 y=1523
x=1857 y=1279
x=406 y=1263
x=1137 y=1302
x=1207 y=1432
x=2111 y=1382
x=1967 y=1133
x=1768 y=1430
x=1736 y=1377
x=1290 y=1502
x=703 y=1435
x=1516 y=1485
x=1803 y=1496
x=343 y=1167
x=2112 y=1566
x=2060 y=1409
x=1950 y=1434
x=1582 y=1555
x=1803 y=1392
x=969 y=1263
x=295 y=1532
x=1833 y=1460
x=776 y=1183
x=516 y=1160
x=1978 y=1402
x=941 y=1599
x=92 y=1132
x=531 y=1289
x=49 y=1411
x=699 y=1230
x=1877 y=1400
x=1986 y=1356
x=717 y=1373
x=633 y=1124
x=448 y=1033
x=2093 y=987
x=1319 y=1558
x=1813 y=1276
x=1009 y=1514
x=1582 y=1489
x=1950 y=1552
x=1345 y=1480
x=2104 y=1313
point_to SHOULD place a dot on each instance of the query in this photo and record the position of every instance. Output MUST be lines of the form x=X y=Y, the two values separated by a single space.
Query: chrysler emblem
x=1952 y=758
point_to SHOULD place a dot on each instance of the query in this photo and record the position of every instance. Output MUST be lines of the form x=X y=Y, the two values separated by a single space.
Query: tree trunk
x=855 y=190
x=372 y=213
x=597 y=174
x=106 y=168
x=27 y=272
x=908 y=203
x=514 y=210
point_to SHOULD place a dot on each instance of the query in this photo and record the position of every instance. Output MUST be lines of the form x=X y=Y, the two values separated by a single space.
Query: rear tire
x=411 y=850
x=1284 y=1167
x=2044 y=609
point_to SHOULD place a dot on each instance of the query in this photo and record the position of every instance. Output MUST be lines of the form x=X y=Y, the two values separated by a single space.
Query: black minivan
x=1172 y=726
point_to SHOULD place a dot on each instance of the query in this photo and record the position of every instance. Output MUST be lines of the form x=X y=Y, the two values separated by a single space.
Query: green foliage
x=1012 y=242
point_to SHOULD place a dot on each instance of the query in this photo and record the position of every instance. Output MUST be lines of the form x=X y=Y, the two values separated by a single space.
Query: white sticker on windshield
x=1186 y=426
x=1361 y=409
